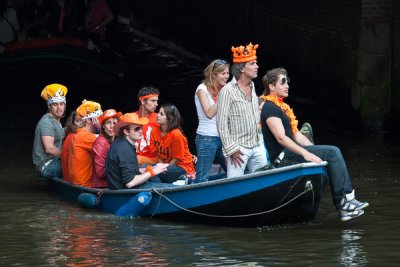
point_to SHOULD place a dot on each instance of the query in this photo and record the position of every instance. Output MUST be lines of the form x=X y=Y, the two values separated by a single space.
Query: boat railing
x=266 y=173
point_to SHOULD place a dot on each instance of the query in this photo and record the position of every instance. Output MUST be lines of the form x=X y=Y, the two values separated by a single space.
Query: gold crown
x=54 y=90
x=244 y=54
x=89 y=109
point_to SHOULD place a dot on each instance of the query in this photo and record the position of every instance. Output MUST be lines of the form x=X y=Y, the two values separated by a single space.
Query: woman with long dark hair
x=171 y=145
x=73 y=122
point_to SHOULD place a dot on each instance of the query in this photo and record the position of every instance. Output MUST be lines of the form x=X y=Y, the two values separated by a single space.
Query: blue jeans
x=339 y=178
x=172 y=174
x=53 y=169
x=153 y=182
x=208 y=148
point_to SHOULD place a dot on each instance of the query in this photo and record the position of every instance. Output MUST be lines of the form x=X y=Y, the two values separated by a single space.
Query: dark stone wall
x=314 y=40
x=396 y=61
x=317 y=41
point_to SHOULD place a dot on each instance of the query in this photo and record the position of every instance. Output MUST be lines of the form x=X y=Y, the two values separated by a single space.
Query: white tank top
x=206 y=126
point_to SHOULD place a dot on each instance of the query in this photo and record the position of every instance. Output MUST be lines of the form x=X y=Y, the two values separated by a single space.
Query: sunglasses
x=136 y=129
x=285 y=80
x=219 y=62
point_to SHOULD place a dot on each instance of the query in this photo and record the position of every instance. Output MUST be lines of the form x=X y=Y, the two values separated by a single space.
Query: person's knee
x=335 y=150
x=332 y=153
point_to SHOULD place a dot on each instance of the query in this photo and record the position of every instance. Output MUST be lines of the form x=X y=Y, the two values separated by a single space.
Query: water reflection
x=83 y=243
x=353 y=253
x=76 y=239
x=71 y=238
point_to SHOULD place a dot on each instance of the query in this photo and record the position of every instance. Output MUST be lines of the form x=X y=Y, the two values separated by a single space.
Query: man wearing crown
x=238 y=115
x=49 y=133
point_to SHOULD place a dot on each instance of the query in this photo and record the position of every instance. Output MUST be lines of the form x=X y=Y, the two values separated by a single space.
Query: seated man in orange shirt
x=148 y=102
x=80 y=157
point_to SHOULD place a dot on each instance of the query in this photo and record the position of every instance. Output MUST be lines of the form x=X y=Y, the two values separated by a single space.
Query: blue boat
x=278 y=196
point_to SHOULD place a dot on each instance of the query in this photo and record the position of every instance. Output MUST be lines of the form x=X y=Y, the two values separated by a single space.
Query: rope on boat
x=308 y=185
x=100 y=194
x=292 y=187
x=308 y=188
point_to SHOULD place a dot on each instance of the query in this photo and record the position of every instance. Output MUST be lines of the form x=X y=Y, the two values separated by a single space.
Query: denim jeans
x=154 y=182
x=172 y=174
x=209 y=148
x=53 y=169
x=339 y=178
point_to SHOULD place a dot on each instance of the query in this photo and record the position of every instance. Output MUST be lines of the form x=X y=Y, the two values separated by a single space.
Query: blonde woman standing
x=208 y=142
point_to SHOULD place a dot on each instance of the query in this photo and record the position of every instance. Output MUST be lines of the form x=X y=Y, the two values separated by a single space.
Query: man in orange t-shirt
x=80 y=157
x=148 y=102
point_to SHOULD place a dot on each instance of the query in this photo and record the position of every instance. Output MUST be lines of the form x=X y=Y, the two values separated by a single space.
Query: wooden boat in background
x=277 y=196
x=61 y=58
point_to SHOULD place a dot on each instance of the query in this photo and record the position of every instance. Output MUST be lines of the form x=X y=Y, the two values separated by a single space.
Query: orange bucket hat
x=54 y=93
x=129 y=118
x=89 y=109
x=109 y=113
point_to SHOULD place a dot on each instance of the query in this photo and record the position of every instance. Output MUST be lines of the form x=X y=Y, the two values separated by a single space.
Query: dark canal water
x=39 y=229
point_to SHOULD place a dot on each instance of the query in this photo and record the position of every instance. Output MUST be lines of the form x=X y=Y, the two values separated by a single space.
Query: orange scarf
x=215 y=92
x=285 y=108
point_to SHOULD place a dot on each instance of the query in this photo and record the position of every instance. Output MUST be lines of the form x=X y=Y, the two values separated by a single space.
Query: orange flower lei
x=285 y=108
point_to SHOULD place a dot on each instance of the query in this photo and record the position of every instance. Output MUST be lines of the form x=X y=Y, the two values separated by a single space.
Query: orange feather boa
x=285 y=108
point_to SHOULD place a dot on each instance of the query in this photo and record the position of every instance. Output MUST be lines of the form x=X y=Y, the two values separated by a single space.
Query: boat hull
x=279 y=196
x=260 y=207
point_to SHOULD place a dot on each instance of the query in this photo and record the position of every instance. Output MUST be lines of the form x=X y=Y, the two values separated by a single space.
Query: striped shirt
x=237 y=118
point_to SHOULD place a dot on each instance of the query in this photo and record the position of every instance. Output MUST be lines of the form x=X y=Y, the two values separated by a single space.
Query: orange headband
x=143 y=97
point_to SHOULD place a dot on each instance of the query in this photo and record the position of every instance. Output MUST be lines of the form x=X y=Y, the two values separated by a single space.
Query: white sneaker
x=350 y=203
x=348 y=215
